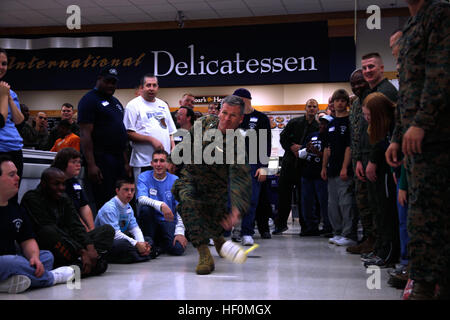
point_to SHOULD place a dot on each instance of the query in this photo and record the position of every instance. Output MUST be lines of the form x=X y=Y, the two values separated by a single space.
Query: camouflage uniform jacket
x=356 y=115
x=424 y=74
x=214 y=182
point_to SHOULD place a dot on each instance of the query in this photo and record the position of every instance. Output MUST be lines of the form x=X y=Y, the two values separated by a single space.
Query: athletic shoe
x=247 y=241
x=334 y=239
x=15 y=284
x=236 y=235
x=211 y=242
x=62 y=274
x=379 y=262
x=367 y=256
x=278 y=231
x=345 y=242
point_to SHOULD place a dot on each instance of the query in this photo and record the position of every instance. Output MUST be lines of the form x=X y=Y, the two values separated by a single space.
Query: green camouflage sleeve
x=434 y=97
x=355 y=114
x=398 y=130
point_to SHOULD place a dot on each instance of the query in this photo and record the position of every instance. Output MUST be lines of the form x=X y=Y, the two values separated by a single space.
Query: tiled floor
x=283 y=268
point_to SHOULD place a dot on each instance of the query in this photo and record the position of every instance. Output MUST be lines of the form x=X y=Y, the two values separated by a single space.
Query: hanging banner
x=244 y=55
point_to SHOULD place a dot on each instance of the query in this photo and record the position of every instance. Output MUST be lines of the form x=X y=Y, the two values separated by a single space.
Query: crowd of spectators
x=369 y=172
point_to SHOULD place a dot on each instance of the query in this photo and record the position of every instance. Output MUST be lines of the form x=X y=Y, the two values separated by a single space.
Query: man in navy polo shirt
x=103 y=136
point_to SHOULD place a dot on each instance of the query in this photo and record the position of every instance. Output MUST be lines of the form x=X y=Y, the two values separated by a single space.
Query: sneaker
x=62 y=274
x=271 y=223
x=334 y=239
x=247 y=241
x=15 y=284
x=345 y=242
x=211 y=242
x=236 y=235
x=367 y=256
x=278 y=231
x=266 y=235
x=379 y=262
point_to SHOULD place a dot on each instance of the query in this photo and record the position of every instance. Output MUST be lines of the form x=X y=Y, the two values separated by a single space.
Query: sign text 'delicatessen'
x=262 y=54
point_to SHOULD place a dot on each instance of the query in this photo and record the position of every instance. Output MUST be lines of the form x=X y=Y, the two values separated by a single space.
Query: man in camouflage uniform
x=423 y=132
x=382 y=196
x=359 y=87
x=208 y=192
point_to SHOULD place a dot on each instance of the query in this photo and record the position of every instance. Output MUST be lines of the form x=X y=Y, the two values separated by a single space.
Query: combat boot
x=422 y=291
x=218 y=243
x=205 y=261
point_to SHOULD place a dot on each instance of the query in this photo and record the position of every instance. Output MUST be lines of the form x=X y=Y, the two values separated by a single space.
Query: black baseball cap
x=109 y=72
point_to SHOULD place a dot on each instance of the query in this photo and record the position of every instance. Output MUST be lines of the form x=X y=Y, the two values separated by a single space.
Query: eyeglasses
x=43 y=118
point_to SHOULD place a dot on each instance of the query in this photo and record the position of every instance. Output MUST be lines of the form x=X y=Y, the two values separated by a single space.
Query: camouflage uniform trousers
x=428 y=177
x=201 y=216
x=205 y=195
x=366 y=213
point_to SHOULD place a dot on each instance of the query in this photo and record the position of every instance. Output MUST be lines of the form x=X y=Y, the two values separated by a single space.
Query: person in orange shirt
x=66 y=137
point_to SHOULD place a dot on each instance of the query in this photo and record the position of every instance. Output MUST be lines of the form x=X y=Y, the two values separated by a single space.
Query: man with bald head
x=360 y=88
x=58 y=227
x=41 y=128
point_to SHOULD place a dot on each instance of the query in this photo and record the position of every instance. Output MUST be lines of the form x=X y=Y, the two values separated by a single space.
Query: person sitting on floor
x=157 y=207
x=118 y=213
x=58 y=227
x=68 y=160
x=32 y=267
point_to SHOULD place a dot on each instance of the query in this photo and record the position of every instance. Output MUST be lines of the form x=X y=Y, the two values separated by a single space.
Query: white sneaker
x=334 y=239
x=15 y=284
x=346 y=242
x=211 y=242
x=247 y=241
x=62 y=274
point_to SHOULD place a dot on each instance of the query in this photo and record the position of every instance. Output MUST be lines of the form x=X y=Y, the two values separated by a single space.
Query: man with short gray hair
x=207 y=214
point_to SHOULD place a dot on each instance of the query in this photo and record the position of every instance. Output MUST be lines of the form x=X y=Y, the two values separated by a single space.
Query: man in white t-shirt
x=149 y=124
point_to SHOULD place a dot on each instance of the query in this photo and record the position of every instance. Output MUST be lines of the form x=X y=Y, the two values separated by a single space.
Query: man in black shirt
x=258 y=157
x=103 y=136
x=291 y=139
x=32 y=268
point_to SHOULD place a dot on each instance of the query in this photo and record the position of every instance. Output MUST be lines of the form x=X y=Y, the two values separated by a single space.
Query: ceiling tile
x=147 y=1
x=125 y=10
x=268 y=11
x=263 y=3
x=235 y=13
x=81 y=3
x=133 y=18
x=157 y=8
x=201 y=14
x=42 y=4
x=228 y=4
x=6 y=5
x=114 y=3
x=192 y=6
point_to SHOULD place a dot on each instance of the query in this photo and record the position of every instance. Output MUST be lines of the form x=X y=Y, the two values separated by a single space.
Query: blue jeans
x=248 y=221
x=404 y=238
x=311 y=188
x=11 y=265
x=160 y=231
